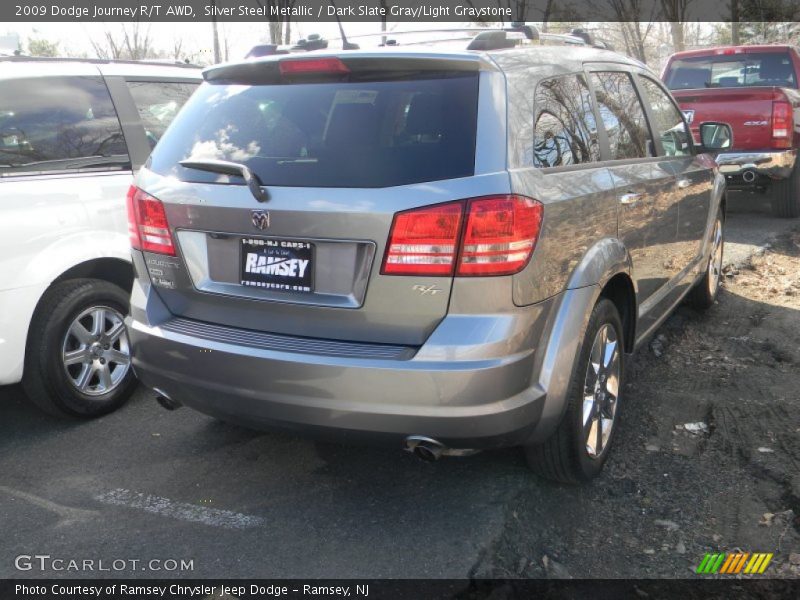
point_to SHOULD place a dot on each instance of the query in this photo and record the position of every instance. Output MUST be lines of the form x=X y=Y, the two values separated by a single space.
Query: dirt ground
x=670 y=495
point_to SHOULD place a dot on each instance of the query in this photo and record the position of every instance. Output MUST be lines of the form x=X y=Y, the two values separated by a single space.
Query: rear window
x=366 y=134
x=732 y=70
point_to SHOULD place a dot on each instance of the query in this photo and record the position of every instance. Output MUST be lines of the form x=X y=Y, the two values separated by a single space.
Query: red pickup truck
x=754 y=90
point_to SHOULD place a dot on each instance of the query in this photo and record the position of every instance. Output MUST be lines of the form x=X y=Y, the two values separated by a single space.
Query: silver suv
x=448 y=250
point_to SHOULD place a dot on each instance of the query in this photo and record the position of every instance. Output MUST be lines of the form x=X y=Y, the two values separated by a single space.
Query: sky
x=75 y=37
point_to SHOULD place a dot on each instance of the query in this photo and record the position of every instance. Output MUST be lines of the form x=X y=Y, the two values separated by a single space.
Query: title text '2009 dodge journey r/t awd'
x=450 y=250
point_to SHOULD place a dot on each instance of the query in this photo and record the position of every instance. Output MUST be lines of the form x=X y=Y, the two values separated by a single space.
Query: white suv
x=71 y=135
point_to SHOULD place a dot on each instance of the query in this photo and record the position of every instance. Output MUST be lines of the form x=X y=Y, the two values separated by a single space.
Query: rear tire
x=580 y=446
x=786 y=195
x=77 y=360
x=706 y=290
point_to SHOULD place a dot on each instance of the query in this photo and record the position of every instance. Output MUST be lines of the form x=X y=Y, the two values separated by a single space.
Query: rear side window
x=158 y=102
x=731 y=70
x=57 y=124
x=565 y=131
x=622 y=114
x=365 y=134
x=667 y=120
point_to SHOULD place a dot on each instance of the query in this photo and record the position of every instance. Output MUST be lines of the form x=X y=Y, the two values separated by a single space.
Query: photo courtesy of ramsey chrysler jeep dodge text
x=445 y=249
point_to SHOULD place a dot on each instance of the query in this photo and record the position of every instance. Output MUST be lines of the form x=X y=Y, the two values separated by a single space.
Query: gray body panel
x=483 y=361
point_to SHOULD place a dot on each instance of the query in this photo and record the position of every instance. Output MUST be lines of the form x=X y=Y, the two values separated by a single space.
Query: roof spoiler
x=358 y=66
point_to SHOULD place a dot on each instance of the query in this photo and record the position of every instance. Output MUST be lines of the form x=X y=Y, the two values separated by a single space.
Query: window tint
x=360 y=134
x=622 y=115
x=158 y=102
x=668 y=121
x=58 y=123
x=565 y=132
x=731 y=70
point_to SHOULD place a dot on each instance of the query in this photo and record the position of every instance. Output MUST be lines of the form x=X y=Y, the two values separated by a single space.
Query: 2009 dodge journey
x=450 y=250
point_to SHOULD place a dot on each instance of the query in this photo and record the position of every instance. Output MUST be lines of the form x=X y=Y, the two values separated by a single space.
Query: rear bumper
x=467 y=396
x=736 y=166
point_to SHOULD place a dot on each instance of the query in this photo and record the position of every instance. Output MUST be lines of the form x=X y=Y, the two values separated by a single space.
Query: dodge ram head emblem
x=260 y=219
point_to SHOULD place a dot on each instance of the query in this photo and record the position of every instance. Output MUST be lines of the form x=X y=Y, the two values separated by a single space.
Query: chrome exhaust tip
x=424 y=448
x=430 y=450
x=165 y=401
x=749 y=176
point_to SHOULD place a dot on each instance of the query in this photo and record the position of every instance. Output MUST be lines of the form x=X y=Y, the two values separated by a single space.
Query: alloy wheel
x=96 y=351
x=601 y=391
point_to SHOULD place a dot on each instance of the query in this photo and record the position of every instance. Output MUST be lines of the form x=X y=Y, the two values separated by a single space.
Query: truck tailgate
x=747 y=110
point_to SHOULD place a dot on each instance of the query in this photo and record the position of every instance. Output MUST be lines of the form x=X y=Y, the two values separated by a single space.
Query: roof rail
x=313 y=42
x=476 y=38
x=97 y=61
x=484 y=38
x=591 y=39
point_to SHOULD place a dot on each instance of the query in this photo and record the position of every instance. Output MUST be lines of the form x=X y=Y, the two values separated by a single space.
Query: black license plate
x=281 y=265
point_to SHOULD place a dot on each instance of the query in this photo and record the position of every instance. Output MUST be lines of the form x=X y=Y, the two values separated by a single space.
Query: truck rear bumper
x=744 y=169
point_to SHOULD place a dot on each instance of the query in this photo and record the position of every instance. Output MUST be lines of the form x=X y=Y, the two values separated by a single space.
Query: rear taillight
x=500 y=235
x=424 y=241
x=147 y=223
x=493 y=235
x=782 y=123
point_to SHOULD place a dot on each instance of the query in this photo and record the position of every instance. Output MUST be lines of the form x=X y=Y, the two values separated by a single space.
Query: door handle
x=629 y=199
x=683 y=183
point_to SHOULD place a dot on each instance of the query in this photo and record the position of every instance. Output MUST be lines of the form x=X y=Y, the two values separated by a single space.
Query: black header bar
x=444 y=11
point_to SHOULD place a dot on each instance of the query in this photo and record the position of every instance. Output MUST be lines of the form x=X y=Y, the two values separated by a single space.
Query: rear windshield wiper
x=230 y=168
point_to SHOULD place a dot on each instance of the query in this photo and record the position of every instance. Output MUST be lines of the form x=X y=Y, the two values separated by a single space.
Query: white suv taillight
x=147 y=223
x=493 y=235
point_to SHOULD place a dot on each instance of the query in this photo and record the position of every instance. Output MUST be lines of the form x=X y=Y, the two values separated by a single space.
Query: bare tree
x=130 y=41
x=215 y=33
x=278 y=24
x=177 y=48
x=634 y=25
x=676 y=11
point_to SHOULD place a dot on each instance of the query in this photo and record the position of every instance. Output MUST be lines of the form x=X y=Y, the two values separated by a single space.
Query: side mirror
x=716 y=136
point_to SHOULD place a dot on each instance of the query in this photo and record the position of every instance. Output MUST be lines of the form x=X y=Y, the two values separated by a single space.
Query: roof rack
x=475 y=37
x=96 y=61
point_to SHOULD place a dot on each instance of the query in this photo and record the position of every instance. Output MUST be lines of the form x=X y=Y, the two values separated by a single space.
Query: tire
x=570 y=455
x=705 y=291
x=786 y=195
x=68 y=325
